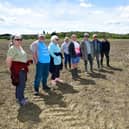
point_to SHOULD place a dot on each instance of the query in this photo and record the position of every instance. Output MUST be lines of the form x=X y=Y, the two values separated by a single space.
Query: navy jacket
x=96 y=46
x=105 y=46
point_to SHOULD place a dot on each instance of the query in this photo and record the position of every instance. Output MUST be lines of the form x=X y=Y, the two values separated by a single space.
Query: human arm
x=51 y=50
x=35 y=56
x=9 y=62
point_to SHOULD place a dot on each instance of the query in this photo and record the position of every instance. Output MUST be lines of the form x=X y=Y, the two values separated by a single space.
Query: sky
x=34 y=16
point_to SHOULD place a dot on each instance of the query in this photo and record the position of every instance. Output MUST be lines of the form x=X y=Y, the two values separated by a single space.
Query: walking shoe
x=36 y=93
x=23 y=102
x=59 y=80
x=46 y=88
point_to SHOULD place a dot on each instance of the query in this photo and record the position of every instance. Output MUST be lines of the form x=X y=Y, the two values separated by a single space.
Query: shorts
x=75 y=60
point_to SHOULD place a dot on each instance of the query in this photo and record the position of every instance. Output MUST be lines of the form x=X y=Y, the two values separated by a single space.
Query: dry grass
x=94 y=101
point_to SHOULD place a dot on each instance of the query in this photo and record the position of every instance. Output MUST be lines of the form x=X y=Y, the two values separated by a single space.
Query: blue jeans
x=21 y=86
x=67 y=60
x=42 y=72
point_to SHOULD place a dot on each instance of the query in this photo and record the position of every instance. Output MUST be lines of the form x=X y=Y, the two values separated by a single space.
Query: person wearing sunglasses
x=56 y=60
x=17 y=64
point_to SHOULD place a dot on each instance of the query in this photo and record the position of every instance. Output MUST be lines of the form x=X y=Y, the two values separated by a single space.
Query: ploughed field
x=93 y=101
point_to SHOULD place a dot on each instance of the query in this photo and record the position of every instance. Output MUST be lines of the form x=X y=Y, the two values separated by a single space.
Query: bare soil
x=93 y=101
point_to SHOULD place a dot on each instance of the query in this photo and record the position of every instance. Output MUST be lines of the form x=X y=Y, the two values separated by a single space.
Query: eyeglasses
x=57 y=39
x=18 y=39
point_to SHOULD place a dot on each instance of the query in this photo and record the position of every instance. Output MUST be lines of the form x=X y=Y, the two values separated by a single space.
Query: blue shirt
x=42 y=52
x=54 y=48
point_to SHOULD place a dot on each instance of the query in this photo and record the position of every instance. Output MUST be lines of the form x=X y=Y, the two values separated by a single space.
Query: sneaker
x=36 y=93
x=59 y=80
x=23 y=102
x=46 y=88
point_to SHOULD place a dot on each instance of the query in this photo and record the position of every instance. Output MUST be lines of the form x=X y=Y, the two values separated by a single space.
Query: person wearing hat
x=87 y=52
x=96 y=49
x=41 y=58
x=17 y=64
x=56 y=60
x=105 y=50
x=64 y=48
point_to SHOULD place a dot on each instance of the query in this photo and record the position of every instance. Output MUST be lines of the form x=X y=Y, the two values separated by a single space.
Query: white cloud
x=124 y=11
x=63 y=17
x=86 y=4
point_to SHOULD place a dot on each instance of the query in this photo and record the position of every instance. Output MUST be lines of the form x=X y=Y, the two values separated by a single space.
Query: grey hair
x=54 y=37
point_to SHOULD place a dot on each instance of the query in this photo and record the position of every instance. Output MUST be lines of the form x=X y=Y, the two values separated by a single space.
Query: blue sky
x=33 y=16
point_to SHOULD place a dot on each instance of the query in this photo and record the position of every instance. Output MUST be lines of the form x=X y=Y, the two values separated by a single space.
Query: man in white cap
x=97 y=49
x=41 y=58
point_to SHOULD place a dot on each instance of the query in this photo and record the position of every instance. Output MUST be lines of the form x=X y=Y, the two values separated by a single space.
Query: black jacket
x=105 y=46
x=71 y=50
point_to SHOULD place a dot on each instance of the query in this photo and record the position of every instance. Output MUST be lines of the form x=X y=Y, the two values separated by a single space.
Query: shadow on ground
x=66 y=88
x=84 y=81
x=54 y=98
x=115 y=68
x=97 y=75
x=106 y=71
x=29 y=112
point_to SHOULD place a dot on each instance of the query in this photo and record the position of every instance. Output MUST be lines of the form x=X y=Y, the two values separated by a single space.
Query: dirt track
x=94 y=101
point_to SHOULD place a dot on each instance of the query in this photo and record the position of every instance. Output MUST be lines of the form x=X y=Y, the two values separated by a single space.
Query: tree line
x=63 y=34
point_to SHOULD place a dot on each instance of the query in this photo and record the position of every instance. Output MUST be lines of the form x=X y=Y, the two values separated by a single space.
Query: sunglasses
x=18 y=39
x=57 y=39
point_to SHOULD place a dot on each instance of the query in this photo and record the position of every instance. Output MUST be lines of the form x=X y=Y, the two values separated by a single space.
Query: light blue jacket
x=54 y=50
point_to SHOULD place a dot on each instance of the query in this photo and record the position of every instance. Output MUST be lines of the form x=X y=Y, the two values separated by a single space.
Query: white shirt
x=33 y=45
x=65 y=47
x=77 y=47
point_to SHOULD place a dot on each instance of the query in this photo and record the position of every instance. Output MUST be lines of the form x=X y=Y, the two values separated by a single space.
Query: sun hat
x=41 y=35
x=17 y=36
x=94 y=35
x=86 y=34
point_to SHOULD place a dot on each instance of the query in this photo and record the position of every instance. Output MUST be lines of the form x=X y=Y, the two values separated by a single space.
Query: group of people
x=87 y=50
x=50 y=59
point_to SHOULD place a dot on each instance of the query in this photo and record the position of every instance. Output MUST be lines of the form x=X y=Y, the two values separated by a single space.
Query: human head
x=105 y=37
x=74 y=37
x=41 y=37
x=55 y=39
x=17 y=39
x=66 y=39
x=94 y=36
x=86 y=36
